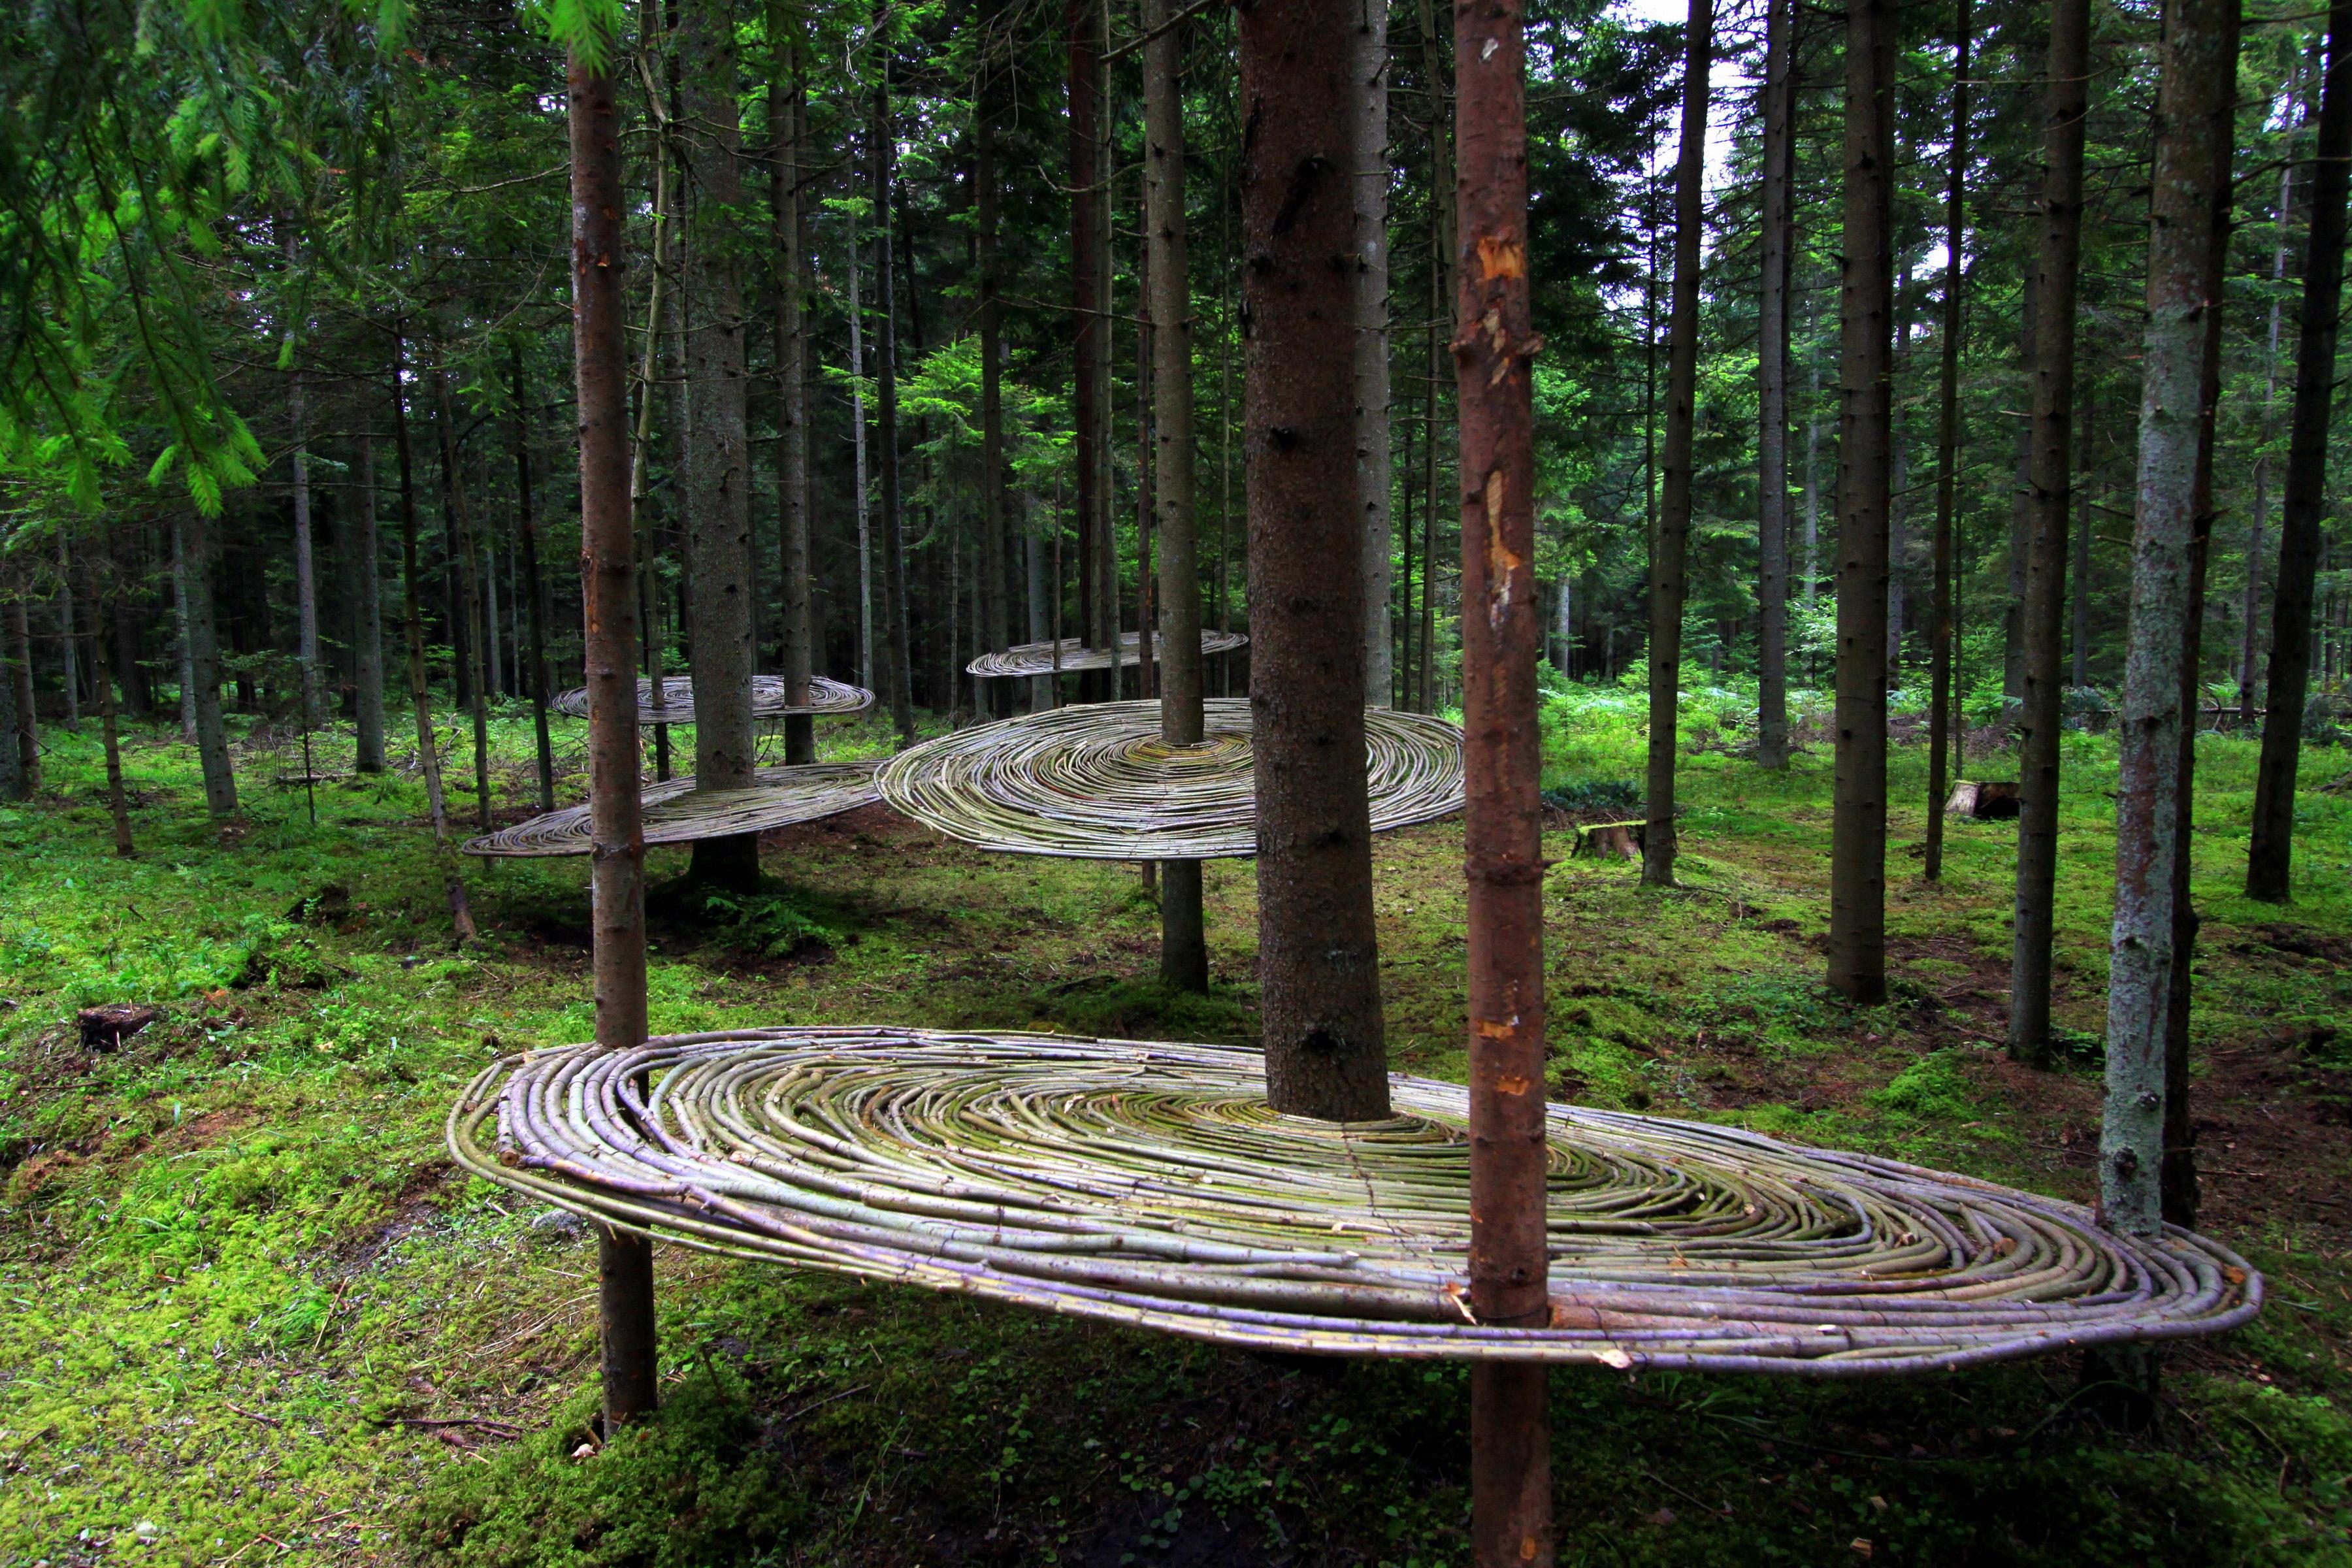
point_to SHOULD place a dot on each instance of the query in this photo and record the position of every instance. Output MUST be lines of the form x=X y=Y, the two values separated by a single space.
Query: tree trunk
x=1812 y=573
x=2269 y=862
x=204 y=670
x=118 y=806
x=1437 y=81
x=2198 y=55
x=661 y=348
x=717 y=459
x=534 y=590
x=1947 y=451
x=13 y=785
x=305 y=582
x=477 y=629
x=2258 y=525
x=898 y=676
x=608 y=571
x=1369 y=34
x=1089 y=329
x=1857 y=966
x=1773 y=393
x=1494 y=342
x=69 y=638
x=2078 y=672
x=866 y=664
x=795 y=648
x=995 y=629
x=428 y=750
x=1670 y=542
x=1184 y=945
x=2176 y=1183
x=2049 y=479
x=1318 y=949
x=2021 y=507
x=367 y=618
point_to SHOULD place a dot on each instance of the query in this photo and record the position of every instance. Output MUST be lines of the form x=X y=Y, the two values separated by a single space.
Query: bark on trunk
x=1494 y=342
x=1369 y=33
x=1857 y=958
x=1772 y=394
x=534 y=592
x=1947 y=452
x=118 y=806
x=205 y=670
x=898 y=676
x=420 y=695
x=2198 y=66
x=1090 y=332
x=717 y=460
x=306 y=581
x=608 y=579
x=367 y=618
x=1184 y=946
x=995 y=630
x=2270 y=860
x=2050 y=479
x=795 y=648
x=12 y=784
x=68 y=639
x=1670 y=543
x=1317 y=950
x=477 y=627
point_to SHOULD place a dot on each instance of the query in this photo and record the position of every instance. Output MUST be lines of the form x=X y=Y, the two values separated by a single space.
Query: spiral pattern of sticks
x=827 y=699
x=1037 y=657
x=1150 y=1184
x=677 y=813
x=1096 y=782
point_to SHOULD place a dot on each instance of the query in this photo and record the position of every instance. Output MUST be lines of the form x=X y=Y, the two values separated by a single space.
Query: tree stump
x=1601 y=840
x=105 y=1028
x=1988 y=800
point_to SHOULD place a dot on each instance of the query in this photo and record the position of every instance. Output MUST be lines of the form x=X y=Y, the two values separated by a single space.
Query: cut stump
x=1601 y=840
x=1988 y=800
x=105 y=1028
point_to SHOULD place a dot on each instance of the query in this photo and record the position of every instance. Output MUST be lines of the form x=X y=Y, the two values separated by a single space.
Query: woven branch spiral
x=677 y=813
x=1150 y=1184
x=827 y=699
x=1037 y=657
x=1096 y=782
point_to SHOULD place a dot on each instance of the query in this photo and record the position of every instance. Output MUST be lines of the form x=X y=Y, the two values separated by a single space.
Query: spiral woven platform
x=1037 y=657
x=1150 y=1184
x=827 y=699
x=1096 y=782
x=677 y=813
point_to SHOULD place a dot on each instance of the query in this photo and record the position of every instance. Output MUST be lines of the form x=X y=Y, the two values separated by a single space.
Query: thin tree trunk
x=2078 y=671
x=1495 y=343
x=305 y=583
x=1670 y=542
x=1437 y=79
x=367 y=653
x=28 y=721
x=2258 y=526
x=534 y=590
x=1812 y=573
x=2020 y=509
x=661 y=344
x=1089 y=328
x=118 y=806
x=428 y=750
x=718 y=461
x=898 y=675
x=1184 y=945
x=69 y=637
x=204 y=670
x=13 y=785
x=609 y=567
x=470 y=607
x=2199 y=58
x=1369 y=33
x=865 y=510
x=795 y=648
x=1318 y=949
x=2269 y=861
x=995 y=629
x=1773 y=393
x=1948 y=450
x=1857 y=958
x=2050 y=477
x=186 y=667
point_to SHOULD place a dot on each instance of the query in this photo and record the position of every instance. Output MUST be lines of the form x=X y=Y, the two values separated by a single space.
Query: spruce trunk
x=1772 y=394
x=1947 y=452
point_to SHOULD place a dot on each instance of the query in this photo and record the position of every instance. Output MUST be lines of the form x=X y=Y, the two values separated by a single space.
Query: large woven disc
x=1096 y=781
x=1150 y=1184
x=677 y=813
x=1037 y=657
x=827 y=699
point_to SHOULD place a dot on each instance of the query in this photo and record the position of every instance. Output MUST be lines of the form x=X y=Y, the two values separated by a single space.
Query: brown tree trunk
x=477 y=627
x=534 y=588
x=1368 y=32
x=661 y=347
x=795 y=648
x=1494 y=344
x=995 y=629
x=367 y=653
x=1437 y=80
x=420 y=695
x=1947 y=451
x=12 y=784
x=1772 y=392
x=1090 y=332
x=719 y=456
x=2050 y=477
x=1857 y=966
x=608 y=569
x=898 y=676
x=2199 y=56
x=1317 y=950
x=1670 y=541
x=1184 y=943
x=2270 y=860
x=26 y=730
x=96 y=563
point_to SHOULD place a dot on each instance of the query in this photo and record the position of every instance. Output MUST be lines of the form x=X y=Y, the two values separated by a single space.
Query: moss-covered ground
x=248 y=1314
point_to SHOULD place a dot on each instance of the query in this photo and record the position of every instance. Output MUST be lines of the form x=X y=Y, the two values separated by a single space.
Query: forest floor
x=250 y=1314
